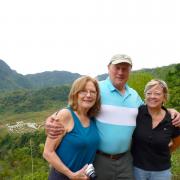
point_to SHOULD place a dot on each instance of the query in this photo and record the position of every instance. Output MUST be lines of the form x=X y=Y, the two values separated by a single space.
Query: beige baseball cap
x=121 y=58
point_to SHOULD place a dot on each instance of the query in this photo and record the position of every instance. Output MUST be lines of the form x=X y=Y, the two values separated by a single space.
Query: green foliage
x=159 y=72
x=21 y=156
x=138 y=81
x=40 y=175
x=173 y=80
x=32 y=100
x=176 y=162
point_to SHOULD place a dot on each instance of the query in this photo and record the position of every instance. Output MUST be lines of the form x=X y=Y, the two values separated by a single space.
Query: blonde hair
x=159 y=82
x=79 y=85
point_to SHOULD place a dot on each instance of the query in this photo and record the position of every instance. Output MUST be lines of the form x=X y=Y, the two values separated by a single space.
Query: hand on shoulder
x=58 y=123
x=64 y=118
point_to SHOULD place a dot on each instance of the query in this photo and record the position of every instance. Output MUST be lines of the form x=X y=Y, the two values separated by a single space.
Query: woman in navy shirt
x=153 y=133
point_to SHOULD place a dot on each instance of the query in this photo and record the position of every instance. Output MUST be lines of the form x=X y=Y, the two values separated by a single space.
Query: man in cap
x=116 y=121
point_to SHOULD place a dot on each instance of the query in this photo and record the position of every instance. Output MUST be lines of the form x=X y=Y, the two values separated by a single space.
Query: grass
x=37 y=117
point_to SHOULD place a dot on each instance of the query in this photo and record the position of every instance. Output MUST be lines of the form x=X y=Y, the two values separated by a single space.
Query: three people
x=76 y=147
x=115 y=122
x=153 y=133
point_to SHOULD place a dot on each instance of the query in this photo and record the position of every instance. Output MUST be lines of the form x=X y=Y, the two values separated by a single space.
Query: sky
x=81 y=36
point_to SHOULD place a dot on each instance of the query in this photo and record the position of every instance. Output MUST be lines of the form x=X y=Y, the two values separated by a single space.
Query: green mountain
x=11 y=80
x=159 y=72
x=51 y=79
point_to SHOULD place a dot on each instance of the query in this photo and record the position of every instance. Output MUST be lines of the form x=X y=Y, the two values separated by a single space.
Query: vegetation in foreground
x=21 y=156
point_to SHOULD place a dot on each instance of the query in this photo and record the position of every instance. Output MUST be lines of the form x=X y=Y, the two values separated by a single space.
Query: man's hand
x=175 y=116
x=53 y=127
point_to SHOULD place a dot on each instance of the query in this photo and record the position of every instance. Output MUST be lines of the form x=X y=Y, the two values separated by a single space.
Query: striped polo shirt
x=117 y=119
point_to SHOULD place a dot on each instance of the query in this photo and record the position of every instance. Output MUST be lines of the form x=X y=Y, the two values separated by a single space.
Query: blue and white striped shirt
x=117 y=119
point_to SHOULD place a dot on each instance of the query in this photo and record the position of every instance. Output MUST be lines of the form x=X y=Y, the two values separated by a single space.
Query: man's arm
x=175 y=116
x=53 y=130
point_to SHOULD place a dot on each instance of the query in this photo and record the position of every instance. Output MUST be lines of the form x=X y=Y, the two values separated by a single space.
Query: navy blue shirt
x=150 y=146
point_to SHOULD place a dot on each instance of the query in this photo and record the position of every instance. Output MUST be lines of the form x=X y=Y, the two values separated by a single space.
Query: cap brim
x=121 y=61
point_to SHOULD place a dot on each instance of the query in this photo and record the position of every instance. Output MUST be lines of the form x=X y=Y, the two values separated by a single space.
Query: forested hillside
x=51 y=79
x=11 y=80
x=21 y=101
x=170 y=74
x=23 y=112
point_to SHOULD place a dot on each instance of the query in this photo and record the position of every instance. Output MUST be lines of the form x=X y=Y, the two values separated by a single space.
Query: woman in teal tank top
x=72 y=151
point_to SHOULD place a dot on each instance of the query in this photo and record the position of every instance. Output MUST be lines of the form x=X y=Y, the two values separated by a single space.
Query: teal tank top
x=78 y=147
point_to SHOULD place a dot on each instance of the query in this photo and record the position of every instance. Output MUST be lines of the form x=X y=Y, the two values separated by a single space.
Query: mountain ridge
x=11 y=80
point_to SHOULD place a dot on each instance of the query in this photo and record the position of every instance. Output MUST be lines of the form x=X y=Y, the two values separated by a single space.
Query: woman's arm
x=51 y=144
x=50 y=155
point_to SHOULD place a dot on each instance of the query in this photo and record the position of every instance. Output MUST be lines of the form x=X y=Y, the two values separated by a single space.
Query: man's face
x=119 y=74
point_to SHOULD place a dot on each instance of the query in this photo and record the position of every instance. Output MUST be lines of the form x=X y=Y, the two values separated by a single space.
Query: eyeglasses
x=156 y=94
x=86 y=92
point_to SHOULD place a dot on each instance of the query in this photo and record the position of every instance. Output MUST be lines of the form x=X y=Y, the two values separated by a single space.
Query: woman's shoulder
x=64 y=115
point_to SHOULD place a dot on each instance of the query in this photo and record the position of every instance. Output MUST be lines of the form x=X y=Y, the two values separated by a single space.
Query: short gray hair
x=155 y=82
